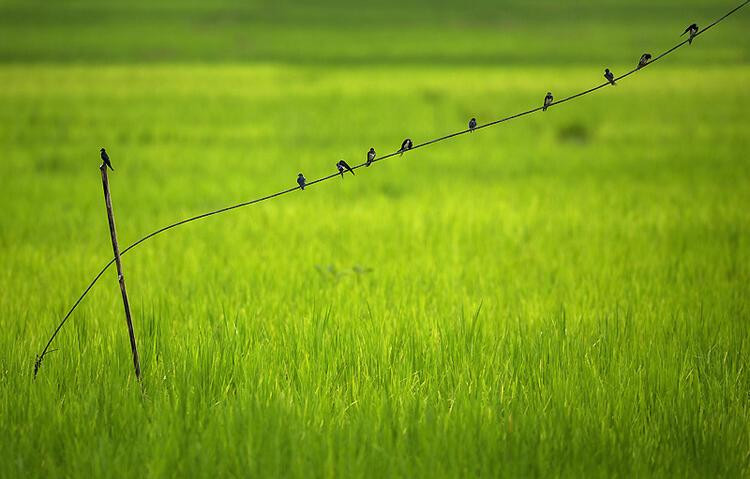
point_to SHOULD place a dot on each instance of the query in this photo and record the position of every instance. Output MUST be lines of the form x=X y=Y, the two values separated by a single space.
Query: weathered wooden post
x=121 y=278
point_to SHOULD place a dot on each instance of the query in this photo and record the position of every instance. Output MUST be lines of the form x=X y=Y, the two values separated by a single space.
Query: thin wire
x=45 y=351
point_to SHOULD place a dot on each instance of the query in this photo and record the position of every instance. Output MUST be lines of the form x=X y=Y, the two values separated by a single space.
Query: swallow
x=693 y=30
x=301 y=181
x=472 y=124
x=343 y=166
x=370 y=156
x=609 y=76
x=547 y=101
x=406 y=145
x=645 y=58
x=105 y=158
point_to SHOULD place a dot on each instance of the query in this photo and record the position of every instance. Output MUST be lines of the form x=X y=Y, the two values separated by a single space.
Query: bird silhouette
x=343 y=166
x=370 y=156
x=645 y=58
x=301 y=181
x=547 y=101
x=693 y=30
x=472 y=124
x=105 y=158
x=610 y=77
x=406 y=145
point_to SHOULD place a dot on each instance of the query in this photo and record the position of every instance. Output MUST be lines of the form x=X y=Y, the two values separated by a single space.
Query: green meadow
x=563 y=295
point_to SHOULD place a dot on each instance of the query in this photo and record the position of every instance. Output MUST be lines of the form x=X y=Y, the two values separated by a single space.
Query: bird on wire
x=105 y=158
x=406 y=145
x=693 y=31
x=370 y=156
x=547 y=101
x=301 y=181
x=645 y=58
x=344 y=166
x=472 y=124
x=610 y=77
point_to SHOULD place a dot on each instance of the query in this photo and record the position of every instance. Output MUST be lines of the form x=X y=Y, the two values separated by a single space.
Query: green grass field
x=566 y=295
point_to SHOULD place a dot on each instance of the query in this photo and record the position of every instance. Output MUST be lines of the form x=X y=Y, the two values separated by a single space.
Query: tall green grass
x=564 y=295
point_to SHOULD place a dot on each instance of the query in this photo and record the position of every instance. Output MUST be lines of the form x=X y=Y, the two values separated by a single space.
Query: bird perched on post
x=370 y=156
x=472 y=124
x=645 y=58
x=343 y=166
x=406 y=145
x=105 y=158
x=547 y=101
x=301 y=181
x=693 y=30
x=610 y=77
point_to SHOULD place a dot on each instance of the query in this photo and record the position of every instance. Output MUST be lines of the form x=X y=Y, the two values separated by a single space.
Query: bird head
x=606 y=70
x=102 y=150
x=300 y=174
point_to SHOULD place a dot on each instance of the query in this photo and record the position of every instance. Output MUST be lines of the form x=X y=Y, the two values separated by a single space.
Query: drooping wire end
x=37 y=364
x=38 y=361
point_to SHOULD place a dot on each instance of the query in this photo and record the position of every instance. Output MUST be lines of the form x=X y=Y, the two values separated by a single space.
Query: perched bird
x=645 y=58
x=406 y=145
x=693 y=30
x=370 y=156
x=301 y=181
x=609 y=76
x=343 y=166
x=105 y=158
x=547 y=101
x=472 y=124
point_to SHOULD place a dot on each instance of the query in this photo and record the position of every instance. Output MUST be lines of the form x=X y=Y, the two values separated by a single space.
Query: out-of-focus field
x=563 y=295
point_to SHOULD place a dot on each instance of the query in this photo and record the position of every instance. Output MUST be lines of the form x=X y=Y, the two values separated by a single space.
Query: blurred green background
x=428 y=33
x=562 y=295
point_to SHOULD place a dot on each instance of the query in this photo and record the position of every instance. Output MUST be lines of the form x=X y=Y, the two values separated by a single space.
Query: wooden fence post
x=121 y=278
